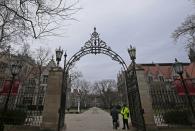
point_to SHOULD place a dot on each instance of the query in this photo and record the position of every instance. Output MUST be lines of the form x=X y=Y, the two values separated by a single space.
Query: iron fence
x=169 y=108
x=25 y=108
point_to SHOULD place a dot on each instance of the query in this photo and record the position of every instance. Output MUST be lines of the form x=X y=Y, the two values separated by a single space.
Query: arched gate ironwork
x=97 y=46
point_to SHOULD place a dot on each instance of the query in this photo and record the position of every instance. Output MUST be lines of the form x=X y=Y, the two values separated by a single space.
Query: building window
x=161 y=78
x=175 y=77
x=27 y=100
x=30 y=86
x=29 y=89
x=1 y=84
x=150 y=78
x=45 y=78
x=31 y=82
x=41 y=89
x=2 y=67
x=25 y=69
x=40 y=100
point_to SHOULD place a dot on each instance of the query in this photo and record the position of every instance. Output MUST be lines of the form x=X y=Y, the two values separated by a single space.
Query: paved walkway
x=93 y=119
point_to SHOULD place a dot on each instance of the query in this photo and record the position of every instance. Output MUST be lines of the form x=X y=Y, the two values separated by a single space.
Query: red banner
x=7 y=85
x=180 y=88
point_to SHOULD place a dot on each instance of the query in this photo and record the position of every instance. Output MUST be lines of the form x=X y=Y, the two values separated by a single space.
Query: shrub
x=177 y=117
x=13 y=117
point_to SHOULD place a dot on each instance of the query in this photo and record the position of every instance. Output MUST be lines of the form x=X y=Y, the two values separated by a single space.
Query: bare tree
x=75 y=76
x=32 y=66
x=106 y=89
x=20 y=19
x=85 y=89
x=42 y=56
x=187 y=32
x=25 y=50
x=26 y=61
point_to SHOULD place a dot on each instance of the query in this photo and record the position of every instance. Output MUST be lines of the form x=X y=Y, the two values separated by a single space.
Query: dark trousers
x=125 y=124
x=115 y=120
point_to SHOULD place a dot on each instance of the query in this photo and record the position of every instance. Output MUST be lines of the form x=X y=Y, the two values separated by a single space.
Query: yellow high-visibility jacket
x=125 y=112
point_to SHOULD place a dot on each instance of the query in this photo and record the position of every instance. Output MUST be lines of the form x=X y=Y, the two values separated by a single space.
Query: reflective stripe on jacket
x=125 y=112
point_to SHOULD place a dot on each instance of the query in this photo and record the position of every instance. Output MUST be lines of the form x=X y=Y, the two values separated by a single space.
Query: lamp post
x=78 y=103
x=59 y=53
x=132 y=54
x=15 y=68
x=178 y=67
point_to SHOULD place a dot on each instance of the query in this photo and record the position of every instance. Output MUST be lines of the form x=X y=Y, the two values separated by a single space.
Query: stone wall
x=145 y=99
x=52 y=100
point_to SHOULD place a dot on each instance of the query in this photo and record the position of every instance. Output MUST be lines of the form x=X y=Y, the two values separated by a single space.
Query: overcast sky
x=146 y=24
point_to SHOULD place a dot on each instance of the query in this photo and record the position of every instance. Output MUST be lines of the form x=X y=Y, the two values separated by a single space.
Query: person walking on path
x=114 y=113
x=125 y=115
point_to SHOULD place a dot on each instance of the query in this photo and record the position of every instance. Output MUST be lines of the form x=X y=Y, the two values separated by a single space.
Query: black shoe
x=123 y=128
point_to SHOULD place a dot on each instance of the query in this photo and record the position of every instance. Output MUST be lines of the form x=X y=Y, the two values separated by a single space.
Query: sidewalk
x=94 y=119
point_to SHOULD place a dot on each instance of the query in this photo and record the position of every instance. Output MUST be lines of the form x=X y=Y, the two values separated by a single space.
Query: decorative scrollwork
x=95 y=43
x=103 y=44
x=95 y=46
x=88 y=44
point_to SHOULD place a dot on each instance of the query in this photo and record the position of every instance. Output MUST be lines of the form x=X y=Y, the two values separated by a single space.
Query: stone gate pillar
x=52 y=100
x=146 y=100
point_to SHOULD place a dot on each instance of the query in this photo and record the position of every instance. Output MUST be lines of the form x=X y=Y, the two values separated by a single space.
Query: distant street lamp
x=15 y=68
x=178 y=67
x=78 y=103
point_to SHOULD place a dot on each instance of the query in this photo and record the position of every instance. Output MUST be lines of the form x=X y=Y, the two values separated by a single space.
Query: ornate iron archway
x=97 y=46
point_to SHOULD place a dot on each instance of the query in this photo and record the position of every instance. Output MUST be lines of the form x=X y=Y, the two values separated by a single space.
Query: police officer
x=125 y=115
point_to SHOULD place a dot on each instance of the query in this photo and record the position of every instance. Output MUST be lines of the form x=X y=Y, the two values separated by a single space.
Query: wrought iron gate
x=136 y=111
x=97 y=46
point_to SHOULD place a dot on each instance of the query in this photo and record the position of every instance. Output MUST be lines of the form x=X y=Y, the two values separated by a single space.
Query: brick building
x=31 y=91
